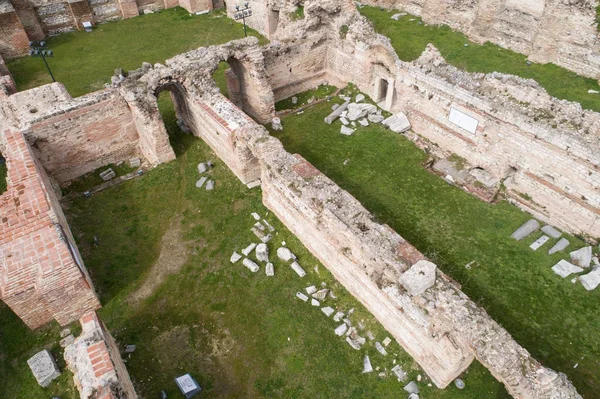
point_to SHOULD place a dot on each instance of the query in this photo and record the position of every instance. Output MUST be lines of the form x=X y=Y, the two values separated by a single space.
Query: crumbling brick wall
x=14 y=40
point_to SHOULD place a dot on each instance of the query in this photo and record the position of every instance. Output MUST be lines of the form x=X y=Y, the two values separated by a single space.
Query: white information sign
x=186 y=383
x=463 y=120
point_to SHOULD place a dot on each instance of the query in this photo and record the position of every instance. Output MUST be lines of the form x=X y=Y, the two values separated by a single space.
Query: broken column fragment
x=419 y=277
x=526 y=228
x=559 y=246
x=329 y=119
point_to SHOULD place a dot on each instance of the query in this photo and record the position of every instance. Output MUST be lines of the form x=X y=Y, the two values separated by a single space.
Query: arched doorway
x=175 y=114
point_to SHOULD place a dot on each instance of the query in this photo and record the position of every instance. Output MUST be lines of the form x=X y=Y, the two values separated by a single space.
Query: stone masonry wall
x=558 y=31
x=15 y=41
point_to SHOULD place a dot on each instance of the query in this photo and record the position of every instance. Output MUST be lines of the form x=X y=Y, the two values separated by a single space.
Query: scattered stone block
x=559 y=246
x=65 y=332
x=285 y=254
x=401 y=374
x=256 y=216
x=551 y=231
x=187 y=385
x=564 y=268
x=210 y=185
x=328 y=311
x=267 y=238
x=346 y=131
x=135 y=162
x=412 y=387
x=397 y=123
x=253 y=267
x=43 y=367
x=235 y=257
x=341 y=329
x=108 y=174
x=582 y=257
x=130 y=348
x=334 y=107
x=539 y=242
x=269 y=227
x=262 y=252
x=591 y=280
x=270 y=269
x=302 y=297
x=338 y=316
x=329 y=119
x=526 y=229
x=367 y=367
x=311 y=290
x=294 y=100
x=387 y=341
x=353 y=343
x=202 y=167
x=276 y=124
x=413 y=395
x=259 y=226
x=363 y=122
x=419 y=277
x=246 y=251
x=396 y=17
x=66 y=341
x=314 y=302
x=344 y=121
x=298 y=269
x=356 y=111
x=374 y=118
x=253 y=184
x=380 y=348
x=201 y=181
x=360 y=98
x=321 y=294
x=459 y=383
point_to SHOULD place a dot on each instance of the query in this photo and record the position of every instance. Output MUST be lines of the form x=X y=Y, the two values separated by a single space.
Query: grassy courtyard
x=410 y=36
x=84 y=62
x=161 y=267
x=552 y=318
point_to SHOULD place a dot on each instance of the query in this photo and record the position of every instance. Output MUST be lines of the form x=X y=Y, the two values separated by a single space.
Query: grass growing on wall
x=555 y=320
x=84 y=62
x=409 y=39
x=3 y=175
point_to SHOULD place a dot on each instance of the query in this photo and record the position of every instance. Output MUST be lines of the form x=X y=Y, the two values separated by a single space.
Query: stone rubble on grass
x=397 y=123
x=413 y=396
x=591 y=280
x=328 y=311
x=202 y=167
x=374 y=118
x=346 y=131
x=582 y=257
x=210 y=185
x=459 y=383
x=259 y=226
x=301 y=296
x=419 y=277
x=135 y=162
x=341 y=329
x=270 y=269
x=267 y=238
x=256 y=216
x=253 y=267
x=380 y=348
x=262 y=252
x=294 y=100
x=43 y=367
x=412 y=387
x=285 y=254
x=551 y=231
x=334 y=107
x=527 y=228
x=539 y=242
x=65 y=332
x=298 y=269
x=367 y=367
x=276 y=124
x=401 y=374
x=397 y=16
x=269 y=227
x=344 y=121
x=246 y=251
x=329 y=119
x=359 y=98
x=338 y=316
x=321 y=294
x=387 y=341
x=235 y=257
x=130 y=348
x=564 y=268
x=201 y=181
x=314 y=302
x=363 y=122
x=66 y=341
x=353 y=343
x=559 y=246
x=311 y=290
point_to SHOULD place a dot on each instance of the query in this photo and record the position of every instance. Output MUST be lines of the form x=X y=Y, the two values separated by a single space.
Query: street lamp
x=38 y=49
x=242 y=13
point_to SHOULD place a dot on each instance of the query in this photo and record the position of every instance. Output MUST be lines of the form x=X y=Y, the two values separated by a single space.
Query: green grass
x=298 y=14
x=409 y=39
x=17 y=344
x=84 y=62
x=93 y=179
x=321 y=92
x=554 y=319
x=241 y=335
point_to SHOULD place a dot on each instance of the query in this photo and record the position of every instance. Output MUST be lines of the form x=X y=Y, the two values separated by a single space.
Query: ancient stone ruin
x=546 y=149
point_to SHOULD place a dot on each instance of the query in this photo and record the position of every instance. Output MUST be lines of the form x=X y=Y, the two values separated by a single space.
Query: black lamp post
x=38 y=49
x=242 y=13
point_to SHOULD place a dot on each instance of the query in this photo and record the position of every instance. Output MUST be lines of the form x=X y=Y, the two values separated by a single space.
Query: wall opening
x=175 y=114
x=383 y=93
x=230 y=79
x=272 y=23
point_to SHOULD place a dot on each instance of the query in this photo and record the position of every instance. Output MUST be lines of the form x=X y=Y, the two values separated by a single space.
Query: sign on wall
x=463 y=120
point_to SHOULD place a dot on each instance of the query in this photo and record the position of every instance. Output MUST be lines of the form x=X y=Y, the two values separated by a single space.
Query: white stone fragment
x=341 y=329
x=582 y=257
x=338 y=316
x=246 y=251
x=539 y=242
x=256 y=216
x=353 y=343
x=301 y=296
x=559 y=246
x=526 y=228
x=314 y=302
x=401 y=374
x=298 y=269
x=360 y=97
x=419 y=277
x=269 y=227
x=380 y=348
x=285 y=254
x=591 y=280
x=411 y=387
x=202 y=167
x=397 y=123
x=43 y=367
x=210 y=185
x=259 y=226
x=311 y=290
x=270 y=269
x=321 y=294
x=262 y=252
x=346 y=131
x=328 y=311
x=235 y=257
x=387 y=341
x=344 y=121
x=363 y=122
x=551 y=231
x=201 y=181
x=374 y=118
x=251 y=265
x=367 y=367
x=564 y=268
x=267 y=238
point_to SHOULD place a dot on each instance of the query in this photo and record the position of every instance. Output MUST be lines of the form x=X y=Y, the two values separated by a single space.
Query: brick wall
x=13 y=38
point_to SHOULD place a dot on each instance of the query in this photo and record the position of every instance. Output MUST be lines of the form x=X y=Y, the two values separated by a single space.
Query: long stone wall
x=558 y=31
